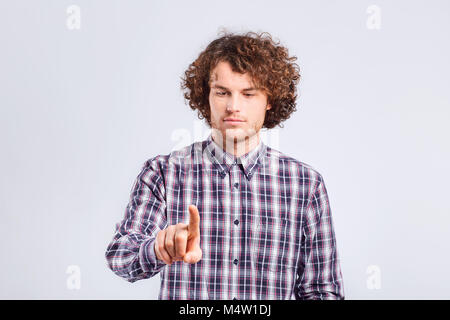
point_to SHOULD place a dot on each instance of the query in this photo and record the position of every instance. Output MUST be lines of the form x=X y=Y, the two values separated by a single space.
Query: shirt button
x=235 y=261
x=236 y=184
x=236 y=222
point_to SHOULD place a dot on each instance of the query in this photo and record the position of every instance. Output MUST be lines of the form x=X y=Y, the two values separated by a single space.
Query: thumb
x=194 y=222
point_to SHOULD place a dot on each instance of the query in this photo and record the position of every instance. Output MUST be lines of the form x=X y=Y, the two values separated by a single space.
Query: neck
x=234 y=145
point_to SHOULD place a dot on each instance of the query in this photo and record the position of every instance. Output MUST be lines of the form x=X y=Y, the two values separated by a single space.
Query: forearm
x=131 y=254
x=321 y=279
x=320 y=276
x=133 y=258
x=321 y=291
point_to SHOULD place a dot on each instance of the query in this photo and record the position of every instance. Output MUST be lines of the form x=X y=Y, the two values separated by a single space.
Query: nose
x=233 y=104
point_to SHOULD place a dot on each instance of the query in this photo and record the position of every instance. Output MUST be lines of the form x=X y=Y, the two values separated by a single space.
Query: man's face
x=232 y=97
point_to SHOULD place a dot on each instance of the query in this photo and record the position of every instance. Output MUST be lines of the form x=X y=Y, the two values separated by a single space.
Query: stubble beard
x=236 y=141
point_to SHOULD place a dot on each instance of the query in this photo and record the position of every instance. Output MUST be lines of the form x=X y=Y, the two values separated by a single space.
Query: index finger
x=194 y=221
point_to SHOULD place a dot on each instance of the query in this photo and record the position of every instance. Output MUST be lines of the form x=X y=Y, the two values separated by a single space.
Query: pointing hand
x=181 y=241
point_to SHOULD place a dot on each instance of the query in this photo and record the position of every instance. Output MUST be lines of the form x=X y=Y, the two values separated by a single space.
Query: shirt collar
x=223 y=160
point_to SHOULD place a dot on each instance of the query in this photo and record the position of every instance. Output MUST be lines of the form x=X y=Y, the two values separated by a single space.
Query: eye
x=249 y=95
x=221 y=93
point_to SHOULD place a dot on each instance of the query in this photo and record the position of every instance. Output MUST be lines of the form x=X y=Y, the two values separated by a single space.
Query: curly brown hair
x=267 y=63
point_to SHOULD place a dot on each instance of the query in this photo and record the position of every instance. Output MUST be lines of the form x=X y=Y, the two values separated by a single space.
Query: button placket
x=234 y=184
x=235 y=178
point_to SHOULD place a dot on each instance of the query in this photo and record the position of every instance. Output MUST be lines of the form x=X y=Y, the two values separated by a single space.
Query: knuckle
x=179 y=237
x=161 y=235
x=169 y=244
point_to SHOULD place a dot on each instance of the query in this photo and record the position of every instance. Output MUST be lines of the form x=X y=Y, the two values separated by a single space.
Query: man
x=229 y=217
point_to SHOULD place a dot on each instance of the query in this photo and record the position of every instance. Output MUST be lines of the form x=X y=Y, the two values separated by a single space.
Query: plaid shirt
x=265 y=224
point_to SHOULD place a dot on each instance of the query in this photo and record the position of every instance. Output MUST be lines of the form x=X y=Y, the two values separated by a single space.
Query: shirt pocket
x=273 y=245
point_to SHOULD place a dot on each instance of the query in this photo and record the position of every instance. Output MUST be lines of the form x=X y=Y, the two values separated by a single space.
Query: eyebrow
x=225 y=88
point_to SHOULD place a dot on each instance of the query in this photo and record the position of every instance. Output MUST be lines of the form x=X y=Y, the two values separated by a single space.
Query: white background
x=81 y=110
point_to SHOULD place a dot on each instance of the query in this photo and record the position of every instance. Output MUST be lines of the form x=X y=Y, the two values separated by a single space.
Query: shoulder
x=300 y=168
x=182 y=156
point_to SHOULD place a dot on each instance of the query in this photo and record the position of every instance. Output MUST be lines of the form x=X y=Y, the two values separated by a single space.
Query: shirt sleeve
x=131 y=254
x=319 y=274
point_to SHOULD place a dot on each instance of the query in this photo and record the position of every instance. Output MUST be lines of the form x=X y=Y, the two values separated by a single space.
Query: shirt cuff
x=147 y=257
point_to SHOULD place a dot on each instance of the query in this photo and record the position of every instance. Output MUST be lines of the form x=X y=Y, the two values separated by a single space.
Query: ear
x=268 y=107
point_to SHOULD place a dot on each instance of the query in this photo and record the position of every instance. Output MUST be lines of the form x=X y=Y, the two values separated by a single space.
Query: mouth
x=233 y=121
